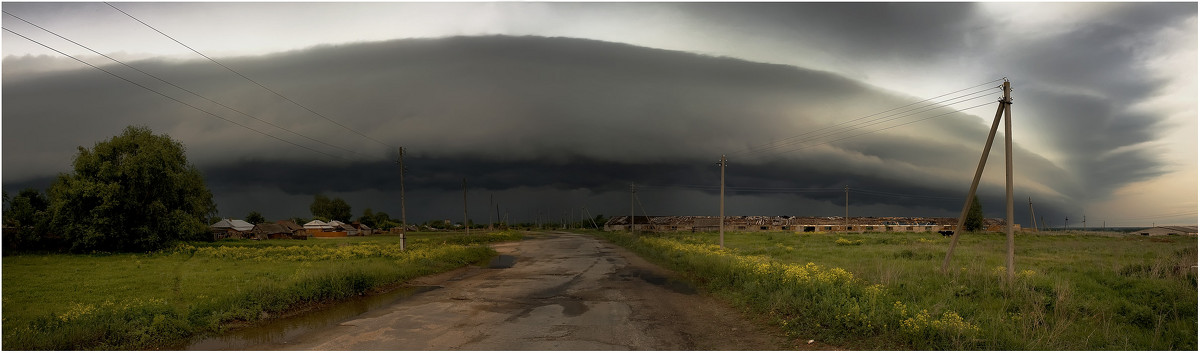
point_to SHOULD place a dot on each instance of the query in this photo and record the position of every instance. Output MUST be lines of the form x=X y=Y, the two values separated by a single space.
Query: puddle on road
x=674 y=285
x=290 y=328
x=502 y=261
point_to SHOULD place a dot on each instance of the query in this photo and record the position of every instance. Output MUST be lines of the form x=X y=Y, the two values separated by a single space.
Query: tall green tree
x=255 y=218
x=134 y=192
x=328 y=209
x=974 y=220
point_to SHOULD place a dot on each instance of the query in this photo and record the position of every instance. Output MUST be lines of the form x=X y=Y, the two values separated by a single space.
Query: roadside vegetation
x=160 y=299
x=886 y=291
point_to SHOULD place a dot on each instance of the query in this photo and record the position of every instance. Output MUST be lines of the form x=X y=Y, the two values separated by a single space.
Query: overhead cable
x=759 y=147
x=169 y=97
x=774 y=147
x=250 y=79
x=181 y=88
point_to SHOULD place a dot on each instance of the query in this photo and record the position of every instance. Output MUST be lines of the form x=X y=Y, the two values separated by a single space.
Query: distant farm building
x=793 y=224
x=1167 y=230
x=298 y=231
x=319 y=229
x=271 y=231
x=231 y=228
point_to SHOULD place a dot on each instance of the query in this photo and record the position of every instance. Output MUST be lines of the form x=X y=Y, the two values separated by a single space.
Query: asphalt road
x=553 y=291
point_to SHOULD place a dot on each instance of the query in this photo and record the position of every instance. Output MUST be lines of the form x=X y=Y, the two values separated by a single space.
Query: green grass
x=1071 y=292
x=159 y=300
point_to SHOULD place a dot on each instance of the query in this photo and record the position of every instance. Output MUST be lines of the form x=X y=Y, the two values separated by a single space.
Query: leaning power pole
x=403 y=219
x=1003 y=110
x=721 y=225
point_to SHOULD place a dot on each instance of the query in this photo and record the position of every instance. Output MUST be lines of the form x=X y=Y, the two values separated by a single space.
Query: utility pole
x=1085 y=222
x=1008 y=181
x=1065 y=219
x=723 y=163
x=403 y=219
x=1004 y=109
x=847 y=219
x=1032 y=218
x=498 y=216
x=632 y=191
x=465 y=219
x=491 y=202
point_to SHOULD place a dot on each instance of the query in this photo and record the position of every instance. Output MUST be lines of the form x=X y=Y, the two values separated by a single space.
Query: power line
x=249 y=79
x=181 y=88
x=169 y=97
x=768 y=146
x=889 y=127
x=884 y=119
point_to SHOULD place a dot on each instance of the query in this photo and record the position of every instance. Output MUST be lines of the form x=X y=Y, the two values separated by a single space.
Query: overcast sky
x=552 y=107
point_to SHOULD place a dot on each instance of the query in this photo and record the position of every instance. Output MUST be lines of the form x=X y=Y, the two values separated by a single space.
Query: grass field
x=886 y=291
x=158 y=300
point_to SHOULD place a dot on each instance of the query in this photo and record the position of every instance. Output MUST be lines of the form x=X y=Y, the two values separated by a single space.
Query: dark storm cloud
x=546 y=115
x=863 y=31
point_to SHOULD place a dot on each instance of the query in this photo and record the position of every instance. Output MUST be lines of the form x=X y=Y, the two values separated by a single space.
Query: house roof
x=315 y=223
x=235 y=224
x=241 y=225
x=224 y=224
x=289 y=224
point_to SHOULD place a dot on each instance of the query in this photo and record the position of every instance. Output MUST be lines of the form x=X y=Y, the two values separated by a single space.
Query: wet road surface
x=552 y=291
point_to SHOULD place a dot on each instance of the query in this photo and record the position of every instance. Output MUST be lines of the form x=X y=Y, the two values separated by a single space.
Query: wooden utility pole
x=498 y=216
x=403 y=219
x=721 y=226
x=847 y=219
x=1008 y=179
x=1032 y=218
x=632 y=191
x=1085 y=222
x=466 y=225
x=1002 y=111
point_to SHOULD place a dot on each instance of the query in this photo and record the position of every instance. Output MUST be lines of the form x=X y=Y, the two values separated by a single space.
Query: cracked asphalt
x=552 y=291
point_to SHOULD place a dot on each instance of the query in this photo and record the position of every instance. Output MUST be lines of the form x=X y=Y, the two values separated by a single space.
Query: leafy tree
x=135 y=192
x=974 y=220
x=28 y=215
x=330 y=209
x=255 y=218
x=368 y=218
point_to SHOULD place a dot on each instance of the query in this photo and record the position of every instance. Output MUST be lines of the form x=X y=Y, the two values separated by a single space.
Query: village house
x=231 y=229
x=264 y=231
x=298 y=231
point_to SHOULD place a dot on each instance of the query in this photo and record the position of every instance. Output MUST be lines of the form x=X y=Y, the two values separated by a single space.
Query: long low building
x=793 y=224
